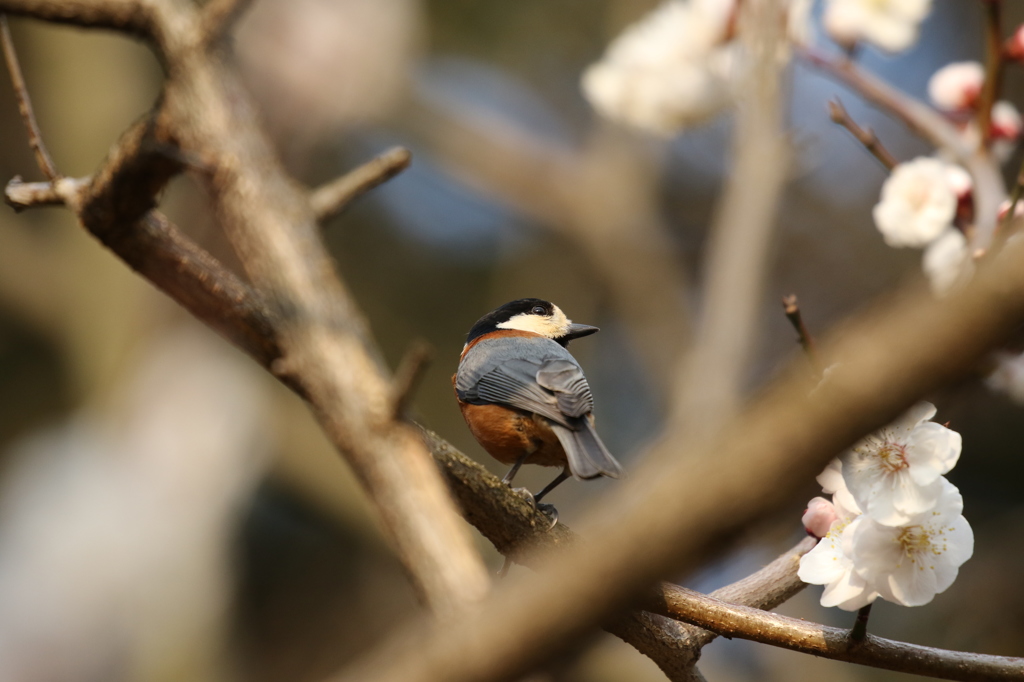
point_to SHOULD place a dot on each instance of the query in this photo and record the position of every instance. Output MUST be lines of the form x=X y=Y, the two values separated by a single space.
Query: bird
x=524 y=396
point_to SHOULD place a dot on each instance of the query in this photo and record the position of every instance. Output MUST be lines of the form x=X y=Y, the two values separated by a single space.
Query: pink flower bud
x=819 y=517
x=1013 y=50
x=1006 y=121
x=957 y=86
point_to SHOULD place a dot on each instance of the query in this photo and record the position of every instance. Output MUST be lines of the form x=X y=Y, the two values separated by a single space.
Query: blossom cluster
x=894 y=527
x=676 y=67
x=926 y=203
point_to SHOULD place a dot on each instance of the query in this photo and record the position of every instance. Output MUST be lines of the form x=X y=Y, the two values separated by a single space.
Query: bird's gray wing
x=565 y=379
x=531 y=374
x=514 y=383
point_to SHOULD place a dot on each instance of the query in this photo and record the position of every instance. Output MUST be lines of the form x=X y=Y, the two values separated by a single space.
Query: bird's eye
x=538 y=310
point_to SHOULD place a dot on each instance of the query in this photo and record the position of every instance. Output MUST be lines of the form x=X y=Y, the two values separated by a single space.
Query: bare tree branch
x=835 y=643
x=331 y=199
x=322 y=340
x=867 y=137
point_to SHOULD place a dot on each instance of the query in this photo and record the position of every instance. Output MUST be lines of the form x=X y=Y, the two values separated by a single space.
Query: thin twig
x=334 y=197
x=408 y=375
x=866 y=136
x=792 y=309
x=993 y=68
x=21 y=195
x=860 y=625
x=28 y=116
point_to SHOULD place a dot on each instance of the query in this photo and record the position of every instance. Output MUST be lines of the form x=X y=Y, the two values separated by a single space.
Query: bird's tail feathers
x=587 y=455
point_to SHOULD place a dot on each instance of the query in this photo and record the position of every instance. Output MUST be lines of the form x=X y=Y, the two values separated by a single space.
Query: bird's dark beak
x=578 y=330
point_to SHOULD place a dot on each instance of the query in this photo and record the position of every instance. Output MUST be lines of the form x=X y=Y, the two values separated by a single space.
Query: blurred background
x=168 y=511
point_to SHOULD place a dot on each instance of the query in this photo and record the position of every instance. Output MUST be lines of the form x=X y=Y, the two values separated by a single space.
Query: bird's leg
x=554 y=484
x=515 y=468
x=549 y=509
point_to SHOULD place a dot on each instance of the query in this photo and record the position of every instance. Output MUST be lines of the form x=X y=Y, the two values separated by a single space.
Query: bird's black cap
x=490 y=321
x=530 y=306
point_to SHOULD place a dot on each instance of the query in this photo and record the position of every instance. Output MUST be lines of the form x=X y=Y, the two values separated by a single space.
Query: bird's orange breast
x=507 y=433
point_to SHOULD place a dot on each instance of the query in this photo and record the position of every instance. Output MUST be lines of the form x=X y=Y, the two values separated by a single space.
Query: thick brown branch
x=798 y=635
x=35 y=138
x=324 y=340
x=127 y=184
x=156 y=249
x=331 y=199
x=867 y=137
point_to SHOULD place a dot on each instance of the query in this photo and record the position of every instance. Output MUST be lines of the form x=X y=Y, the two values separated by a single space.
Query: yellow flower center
x=892 y=457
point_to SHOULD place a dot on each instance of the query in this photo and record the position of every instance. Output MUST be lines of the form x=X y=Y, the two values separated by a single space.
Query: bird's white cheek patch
x=553 y=326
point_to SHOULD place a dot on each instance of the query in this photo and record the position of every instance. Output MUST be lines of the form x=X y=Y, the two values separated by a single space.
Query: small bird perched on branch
x=524 y=396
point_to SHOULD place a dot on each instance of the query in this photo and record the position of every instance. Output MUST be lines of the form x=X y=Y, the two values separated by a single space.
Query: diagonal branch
x=35 y=138
x=133 y=17
x=324 y=340
x=331 y=199
x=866 y=136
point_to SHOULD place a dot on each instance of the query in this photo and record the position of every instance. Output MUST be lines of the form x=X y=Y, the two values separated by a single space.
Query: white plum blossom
x=832 y=482
x=918 y=203
x=829 y=564
x=957 y=86
x=896 y=473
x=910 y=563
x=669 y=70
x=947 y=262
x=1008 y=376
x=890 y=24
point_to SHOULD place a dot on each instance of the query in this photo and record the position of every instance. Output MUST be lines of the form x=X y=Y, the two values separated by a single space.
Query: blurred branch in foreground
x=323 y=342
